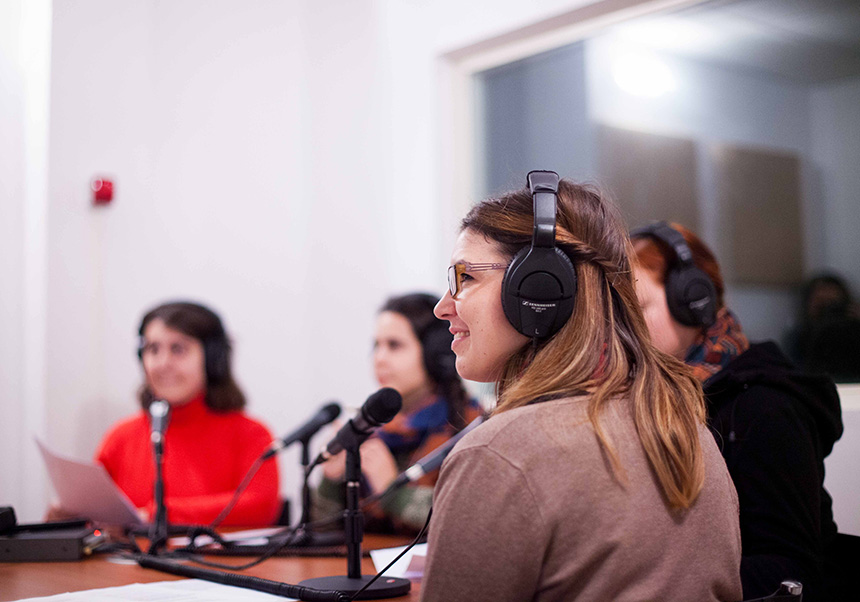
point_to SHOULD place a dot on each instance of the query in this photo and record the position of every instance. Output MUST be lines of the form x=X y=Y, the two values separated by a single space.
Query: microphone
x=326 y=414
x=434 y=459
x=159 y=414
x=381 y=407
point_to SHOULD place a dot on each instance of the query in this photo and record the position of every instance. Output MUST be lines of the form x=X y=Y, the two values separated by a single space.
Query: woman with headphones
x=773 y=423
x=595 y=478
x=412 y=354
x=209 y=443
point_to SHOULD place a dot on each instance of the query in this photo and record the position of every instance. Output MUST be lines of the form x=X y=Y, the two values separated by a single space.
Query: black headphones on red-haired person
x=690 y=293
x=540 y=283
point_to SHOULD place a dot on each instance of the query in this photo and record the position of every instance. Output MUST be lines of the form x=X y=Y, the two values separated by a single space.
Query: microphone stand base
x=384 y=587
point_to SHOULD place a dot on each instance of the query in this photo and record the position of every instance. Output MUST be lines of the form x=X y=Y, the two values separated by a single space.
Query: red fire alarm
x=102 y=191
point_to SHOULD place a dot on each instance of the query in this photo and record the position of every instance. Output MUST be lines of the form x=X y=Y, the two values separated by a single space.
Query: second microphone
x=380 y=408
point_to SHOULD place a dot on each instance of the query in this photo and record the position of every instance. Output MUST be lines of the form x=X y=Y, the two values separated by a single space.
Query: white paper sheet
x=87 y=490
x=186 y=590
x=411 y=566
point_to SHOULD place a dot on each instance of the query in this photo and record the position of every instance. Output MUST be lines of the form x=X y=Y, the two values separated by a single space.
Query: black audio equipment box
x=60 y=540
x=55 y=544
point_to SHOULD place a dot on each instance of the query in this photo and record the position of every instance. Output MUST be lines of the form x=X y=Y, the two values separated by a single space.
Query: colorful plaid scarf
x=719 y=345
x=413 y=435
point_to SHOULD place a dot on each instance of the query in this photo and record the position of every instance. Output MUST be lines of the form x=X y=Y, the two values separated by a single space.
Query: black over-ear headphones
x=216 y=347
x=690 y=293
x=433 y=334
x=540 y=283
x=217 y=350
x=439 y=361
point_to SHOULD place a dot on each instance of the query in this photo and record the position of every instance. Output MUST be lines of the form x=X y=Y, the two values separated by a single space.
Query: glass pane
x=739 y=119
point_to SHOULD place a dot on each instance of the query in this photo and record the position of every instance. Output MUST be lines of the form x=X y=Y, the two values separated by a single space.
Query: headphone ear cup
x=439 y=360
x=538 y=291
x=217 y=355
x=509 y=296
x=691 y=296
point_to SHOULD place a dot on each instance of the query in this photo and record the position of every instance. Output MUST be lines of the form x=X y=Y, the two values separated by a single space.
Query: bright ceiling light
x=642 y=75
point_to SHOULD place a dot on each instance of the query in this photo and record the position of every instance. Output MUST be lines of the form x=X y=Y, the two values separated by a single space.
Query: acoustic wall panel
x=651 y=176
x=758 y=195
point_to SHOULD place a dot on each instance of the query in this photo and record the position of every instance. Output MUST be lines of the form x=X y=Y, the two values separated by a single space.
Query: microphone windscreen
x=381 y=407
x=331 y=411
x=159 y=408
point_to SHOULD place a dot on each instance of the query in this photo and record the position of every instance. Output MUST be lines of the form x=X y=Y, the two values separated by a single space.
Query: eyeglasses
x=456 y=271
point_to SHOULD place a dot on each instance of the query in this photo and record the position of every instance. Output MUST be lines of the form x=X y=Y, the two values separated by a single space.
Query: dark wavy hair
x=439 y=359
x=201 y=323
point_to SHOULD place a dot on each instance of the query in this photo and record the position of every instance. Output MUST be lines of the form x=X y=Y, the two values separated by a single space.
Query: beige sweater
x=527 y=508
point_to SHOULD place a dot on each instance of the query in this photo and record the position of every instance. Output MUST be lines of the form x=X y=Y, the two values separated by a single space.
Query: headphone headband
x=690 y=293
x=544 y=188
x=666 y=233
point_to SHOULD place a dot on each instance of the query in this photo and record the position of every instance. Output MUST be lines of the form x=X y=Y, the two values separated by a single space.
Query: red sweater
x=206 y=454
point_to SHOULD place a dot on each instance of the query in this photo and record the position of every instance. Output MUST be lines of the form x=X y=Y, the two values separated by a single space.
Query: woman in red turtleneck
x=209 y=443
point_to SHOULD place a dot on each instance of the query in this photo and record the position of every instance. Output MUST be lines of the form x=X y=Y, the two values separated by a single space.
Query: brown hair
x=203 y=324
x=656 y=256
x=603 y=350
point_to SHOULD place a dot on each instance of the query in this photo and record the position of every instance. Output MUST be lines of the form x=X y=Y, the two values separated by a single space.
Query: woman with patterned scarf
x=773 y=423
x=412 y=354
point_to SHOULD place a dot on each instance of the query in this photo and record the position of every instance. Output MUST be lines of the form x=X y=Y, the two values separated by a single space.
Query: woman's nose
x=445 y=306
x=379 y=355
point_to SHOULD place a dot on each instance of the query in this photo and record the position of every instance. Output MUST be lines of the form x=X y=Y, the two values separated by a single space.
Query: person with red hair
x=773 y=423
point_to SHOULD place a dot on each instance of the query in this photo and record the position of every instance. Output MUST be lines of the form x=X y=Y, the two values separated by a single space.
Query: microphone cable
x=192 y=553
x=256 y=583
x=285 y=537
x=265 y=585
x=268 y=586
x=415 y=541
x=327 y=414
x=246 y=480
x=277 y=541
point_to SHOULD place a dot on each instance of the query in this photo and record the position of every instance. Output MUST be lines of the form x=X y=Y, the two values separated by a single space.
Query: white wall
x=12 y=183
x=195 y=113
x=842 y=479
x=278 y=160
x=25 y=28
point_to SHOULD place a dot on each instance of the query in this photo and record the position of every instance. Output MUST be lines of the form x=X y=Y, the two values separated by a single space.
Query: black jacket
x=775 y=425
